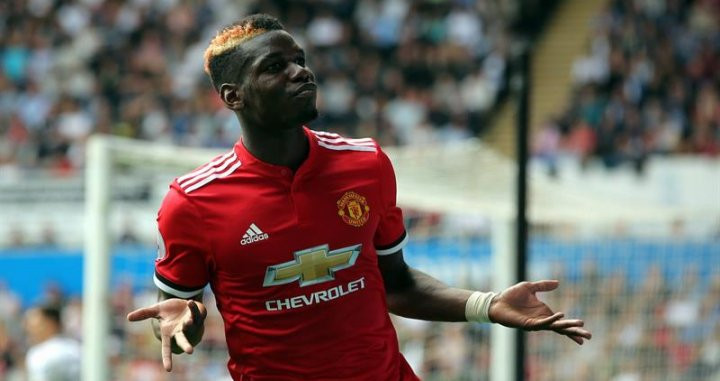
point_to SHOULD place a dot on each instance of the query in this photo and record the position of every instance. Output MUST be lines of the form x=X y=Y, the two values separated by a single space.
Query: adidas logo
x=253 y=234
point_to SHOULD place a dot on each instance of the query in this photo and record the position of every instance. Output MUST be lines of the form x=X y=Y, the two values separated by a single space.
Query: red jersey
x=291 y=259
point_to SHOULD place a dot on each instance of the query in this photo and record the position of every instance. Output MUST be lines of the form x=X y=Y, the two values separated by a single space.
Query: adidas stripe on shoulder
x=218 y=168
x=336 y=142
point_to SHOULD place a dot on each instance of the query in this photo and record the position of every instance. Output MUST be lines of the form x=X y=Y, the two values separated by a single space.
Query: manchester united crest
x=353 y=209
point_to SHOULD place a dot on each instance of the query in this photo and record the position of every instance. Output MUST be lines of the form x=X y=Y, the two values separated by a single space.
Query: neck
x=286 y=147
x=46 y=335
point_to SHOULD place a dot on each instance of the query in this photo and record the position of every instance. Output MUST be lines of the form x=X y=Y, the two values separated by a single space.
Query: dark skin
x=413 y=294
x=178 y=323
x=273 y=98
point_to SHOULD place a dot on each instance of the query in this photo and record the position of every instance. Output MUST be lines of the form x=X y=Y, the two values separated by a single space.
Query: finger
x=166 y=352
x=144 y=313
x=544 y=285
x=566 y=323
x=576 y=339
x=544 y=323
x=196 y=315
x=202 y=309
x=576 y=331
x=183 y=342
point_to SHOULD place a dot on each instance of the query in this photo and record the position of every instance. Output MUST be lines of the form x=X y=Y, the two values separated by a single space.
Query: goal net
x=636 y=259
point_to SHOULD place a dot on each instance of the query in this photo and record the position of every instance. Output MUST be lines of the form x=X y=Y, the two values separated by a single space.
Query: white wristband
x=478 y=306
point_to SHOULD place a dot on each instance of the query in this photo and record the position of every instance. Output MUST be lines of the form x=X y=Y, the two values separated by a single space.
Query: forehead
x=33 y=315
x=276 y=41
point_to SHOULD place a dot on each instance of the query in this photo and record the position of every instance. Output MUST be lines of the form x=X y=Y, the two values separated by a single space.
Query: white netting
x=635 y=260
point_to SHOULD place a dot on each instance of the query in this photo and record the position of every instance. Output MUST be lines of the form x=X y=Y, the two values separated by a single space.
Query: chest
x=269 y=221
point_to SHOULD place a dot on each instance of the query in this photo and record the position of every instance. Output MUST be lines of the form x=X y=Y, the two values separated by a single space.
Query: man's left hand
x=518 y=307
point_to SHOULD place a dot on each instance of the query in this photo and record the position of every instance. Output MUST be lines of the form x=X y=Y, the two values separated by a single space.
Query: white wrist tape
x=478 y=306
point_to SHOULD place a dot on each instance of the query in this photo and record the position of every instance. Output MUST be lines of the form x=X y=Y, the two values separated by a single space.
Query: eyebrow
x=277 y=54
x=269 y=57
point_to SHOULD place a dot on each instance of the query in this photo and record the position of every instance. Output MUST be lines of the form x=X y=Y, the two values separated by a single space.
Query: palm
x=173 y=316
x=522 y=307
x=176 y=318
x=519 y=307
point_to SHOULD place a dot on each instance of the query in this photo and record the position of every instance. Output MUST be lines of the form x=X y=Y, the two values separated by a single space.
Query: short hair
x=51 y=312
x=225 y=46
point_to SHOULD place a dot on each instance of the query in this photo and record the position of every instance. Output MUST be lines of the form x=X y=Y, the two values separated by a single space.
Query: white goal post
x=467 y=177
x=103 y=152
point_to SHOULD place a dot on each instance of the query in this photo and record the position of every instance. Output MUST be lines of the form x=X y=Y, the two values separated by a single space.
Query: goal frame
x=103 y=152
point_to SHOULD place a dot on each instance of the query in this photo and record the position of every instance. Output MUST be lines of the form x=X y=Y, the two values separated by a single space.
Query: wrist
x=477 y=307
x=492 y=304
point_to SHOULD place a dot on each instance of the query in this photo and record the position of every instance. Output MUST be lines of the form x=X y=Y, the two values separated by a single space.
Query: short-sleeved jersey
x=291 y=259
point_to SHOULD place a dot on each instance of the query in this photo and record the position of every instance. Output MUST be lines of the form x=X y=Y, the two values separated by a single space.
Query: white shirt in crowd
x=56 y=359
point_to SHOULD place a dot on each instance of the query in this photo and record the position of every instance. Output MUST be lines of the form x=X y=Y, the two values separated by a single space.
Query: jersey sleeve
x=181 y=268
x=390 y=235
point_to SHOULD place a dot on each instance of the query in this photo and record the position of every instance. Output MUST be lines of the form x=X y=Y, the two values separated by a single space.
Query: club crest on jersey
x=312 y=266
x=353 y=209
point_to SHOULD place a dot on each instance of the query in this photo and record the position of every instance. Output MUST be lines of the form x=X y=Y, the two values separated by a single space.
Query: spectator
x=648 y=85
x=51 y=356
x=71 y=68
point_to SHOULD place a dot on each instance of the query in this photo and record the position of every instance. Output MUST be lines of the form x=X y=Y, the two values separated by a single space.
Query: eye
x=274 y=68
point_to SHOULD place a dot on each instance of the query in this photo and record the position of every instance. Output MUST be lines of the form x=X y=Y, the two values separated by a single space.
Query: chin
x=300 y=117
x=308 y=116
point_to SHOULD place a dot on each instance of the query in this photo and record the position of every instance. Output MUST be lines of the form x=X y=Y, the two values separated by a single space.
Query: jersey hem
x=393 y=247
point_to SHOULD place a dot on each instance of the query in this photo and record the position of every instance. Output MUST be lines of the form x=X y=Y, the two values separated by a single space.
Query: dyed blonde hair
x=229 y=38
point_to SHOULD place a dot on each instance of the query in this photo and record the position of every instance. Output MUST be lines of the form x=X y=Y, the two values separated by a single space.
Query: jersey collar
x=250 y=162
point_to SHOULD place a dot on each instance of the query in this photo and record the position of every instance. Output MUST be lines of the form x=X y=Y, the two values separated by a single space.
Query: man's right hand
x=177 y=319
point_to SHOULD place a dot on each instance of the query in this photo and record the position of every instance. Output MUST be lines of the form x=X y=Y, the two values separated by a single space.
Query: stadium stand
x=407 y=73
x=404 y=72
x=648 y=85
x=656 y=304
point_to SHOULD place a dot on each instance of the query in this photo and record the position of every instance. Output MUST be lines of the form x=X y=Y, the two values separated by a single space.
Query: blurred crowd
x=646 y=327
x=650 y=327
x=402 y=71
x=405 y=72
x=408 y=73
x=650 y=84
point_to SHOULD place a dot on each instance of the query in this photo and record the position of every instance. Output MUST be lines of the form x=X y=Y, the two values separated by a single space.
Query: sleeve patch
x=161 y=252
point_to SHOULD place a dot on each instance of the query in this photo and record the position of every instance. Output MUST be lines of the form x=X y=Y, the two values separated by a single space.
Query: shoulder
x=64 y=347
x=337 y=143
x=211 y=172
x=53 y=350
x=355 y=152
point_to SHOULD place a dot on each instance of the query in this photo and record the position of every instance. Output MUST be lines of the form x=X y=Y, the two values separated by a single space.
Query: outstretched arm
x=414 y=294
x=177 y=323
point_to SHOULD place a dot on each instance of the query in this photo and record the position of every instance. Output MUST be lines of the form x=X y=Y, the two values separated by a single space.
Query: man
x=299 y=237
x=51 y=356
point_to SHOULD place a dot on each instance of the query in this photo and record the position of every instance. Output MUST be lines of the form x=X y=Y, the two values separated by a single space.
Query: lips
x=305 y=89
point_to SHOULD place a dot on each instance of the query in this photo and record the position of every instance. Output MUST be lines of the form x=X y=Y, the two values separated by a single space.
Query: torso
x=293 y=264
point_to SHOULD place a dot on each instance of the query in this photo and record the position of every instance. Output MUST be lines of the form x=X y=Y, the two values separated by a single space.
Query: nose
x=301 y=73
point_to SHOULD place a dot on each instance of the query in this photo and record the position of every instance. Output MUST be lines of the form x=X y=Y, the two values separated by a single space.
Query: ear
x=232 y=96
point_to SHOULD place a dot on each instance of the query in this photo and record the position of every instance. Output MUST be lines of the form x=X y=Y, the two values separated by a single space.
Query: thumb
x=144 y=313
x=544 y=285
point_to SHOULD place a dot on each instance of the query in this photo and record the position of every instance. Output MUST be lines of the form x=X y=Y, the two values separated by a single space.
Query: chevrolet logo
x=312 y=266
